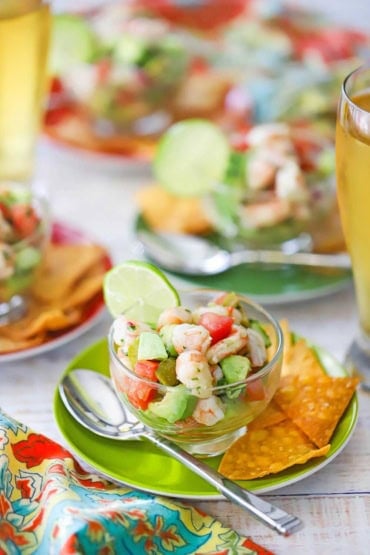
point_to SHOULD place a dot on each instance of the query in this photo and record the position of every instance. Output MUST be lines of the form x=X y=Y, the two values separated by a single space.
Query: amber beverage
x=24 y=44
x=353 y=186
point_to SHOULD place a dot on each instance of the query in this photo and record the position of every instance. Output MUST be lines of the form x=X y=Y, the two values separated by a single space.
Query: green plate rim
x=296 y=283
x=96 y=357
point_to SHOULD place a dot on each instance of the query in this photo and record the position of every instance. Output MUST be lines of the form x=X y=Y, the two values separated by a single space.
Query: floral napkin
x=50 y=505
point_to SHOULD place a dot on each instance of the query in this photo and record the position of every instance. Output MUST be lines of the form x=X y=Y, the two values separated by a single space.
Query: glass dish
x=241 y=401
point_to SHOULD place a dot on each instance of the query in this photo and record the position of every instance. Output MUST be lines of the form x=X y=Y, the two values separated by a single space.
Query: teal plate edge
x=140 y=465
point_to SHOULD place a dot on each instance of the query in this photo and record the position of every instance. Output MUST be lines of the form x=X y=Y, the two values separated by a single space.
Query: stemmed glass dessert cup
x=24 y=234
x=353 y=186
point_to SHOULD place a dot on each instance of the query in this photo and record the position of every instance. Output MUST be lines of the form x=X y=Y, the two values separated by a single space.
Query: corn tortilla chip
x=166 y=212
x=268 y=451
x=315 y=404
x=64 y=265
x=268 y=417
x=75 y=274
x=300 y=359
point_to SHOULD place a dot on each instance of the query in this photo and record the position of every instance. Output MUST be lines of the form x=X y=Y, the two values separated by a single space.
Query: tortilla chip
x=64 y=265
x=268 y=451
x=270 y=416
x=315 y=404
x=166 y=212
x=300 y=359
x=66 y=286
x=10 y=345
x=84 y=292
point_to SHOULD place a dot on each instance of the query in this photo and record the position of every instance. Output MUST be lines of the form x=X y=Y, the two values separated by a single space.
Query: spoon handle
x=277 y=519
x=341 y=260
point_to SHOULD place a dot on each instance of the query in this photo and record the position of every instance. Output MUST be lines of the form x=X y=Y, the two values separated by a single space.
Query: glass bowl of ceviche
x=121 y=69
x=24 y=232
x=202 y=372
x=277 y=186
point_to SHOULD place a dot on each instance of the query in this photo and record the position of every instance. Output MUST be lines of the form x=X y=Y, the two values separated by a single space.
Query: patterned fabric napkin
x=50 y=505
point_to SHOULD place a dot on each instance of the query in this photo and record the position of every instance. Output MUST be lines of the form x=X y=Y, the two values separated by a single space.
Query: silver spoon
x=91 y=399
x=192 y=255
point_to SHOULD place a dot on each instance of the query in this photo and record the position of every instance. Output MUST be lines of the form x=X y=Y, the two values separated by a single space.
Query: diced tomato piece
x=139 y=394
x=208 y=14
x=56 y=86
x=147 y=369
x=218 y=326
x=24 y=219
x=256 y=391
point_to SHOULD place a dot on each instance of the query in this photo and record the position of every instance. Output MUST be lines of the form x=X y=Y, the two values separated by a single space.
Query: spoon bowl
x=198 y=256
x=91 y=399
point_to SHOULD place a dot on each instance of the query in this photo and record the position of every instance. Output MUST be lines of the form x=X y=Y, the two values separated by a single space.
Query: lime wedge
x=191 y=157
x=73 y=42
x=138 y=289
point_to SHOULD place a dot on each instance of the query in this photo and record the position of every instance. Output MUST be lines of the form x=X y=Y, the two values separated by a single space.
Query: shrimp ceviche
x=277 y=186
x=22 y=234
x=195 y=367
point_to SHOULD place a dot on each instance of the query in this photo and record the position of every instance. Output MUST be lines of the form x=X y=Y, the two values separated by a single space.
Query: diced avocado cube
x=27 y=258
x=177 y=404
x=151 y=347
x=166 y=372
x=235 y=368
x=166 y=334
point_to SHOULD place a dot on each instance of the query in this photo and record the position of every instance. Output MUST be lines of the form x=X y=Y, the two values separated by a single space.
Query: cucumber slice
x=191 y=158
x=73 y=42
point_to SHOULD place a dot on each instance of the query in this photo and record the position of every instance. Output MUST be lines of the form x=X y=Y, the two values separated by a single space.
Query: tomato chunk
x=24 y=218
x=218 y=326
x=147 y=369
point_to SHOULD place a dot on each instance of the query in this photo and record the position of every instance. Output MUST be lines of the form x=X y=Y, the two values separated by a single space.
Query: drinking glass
x=24 y=44
x=353 y=185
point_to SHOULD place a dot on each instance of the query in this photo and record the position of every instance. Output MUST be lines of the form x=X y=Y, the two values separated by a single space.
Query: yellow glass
x=24 y=44
x=353 y=185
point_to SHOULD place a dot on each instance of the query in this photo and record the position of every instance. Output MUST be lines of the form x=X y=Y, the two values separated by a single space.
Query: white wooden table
x=333 y=503
x=98 y=198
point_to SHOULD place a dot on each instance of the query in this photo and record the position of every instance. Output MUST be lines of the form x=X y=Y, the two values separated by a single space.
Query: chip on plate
x=268 y=451
x=315 y=403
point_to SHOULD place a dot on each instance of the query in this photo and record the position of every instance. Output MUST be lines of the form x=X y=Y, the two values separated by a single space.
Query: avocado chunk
x=151 y=347
x=166 y=334
x=235 y=368
x=177 y=404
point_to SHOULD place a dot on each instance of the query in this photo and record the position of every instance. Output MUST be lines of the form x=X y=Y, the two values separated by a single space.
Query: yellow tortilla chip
x=300 y=359
x=67 y=285
x=84 y=291
x=166 y=212
x=268 y=451
x=315 y=403
x=64 y=265
x=270 y=416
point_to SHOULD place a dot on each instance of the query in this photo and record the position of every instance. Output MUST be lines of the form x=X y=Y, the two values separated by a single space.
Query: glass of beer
x=24 y=44
x=353 y=186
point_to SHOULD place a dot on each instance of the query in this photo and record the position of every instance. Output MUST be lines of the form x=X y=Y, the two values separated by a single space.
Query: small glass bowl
x=24 y=233
x=243 y=400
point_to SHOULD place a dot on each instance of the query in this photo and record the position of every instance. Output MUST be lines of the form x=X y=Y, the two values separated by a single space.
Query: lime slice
x=139 y=290
x=191 y=157
x=73 y=42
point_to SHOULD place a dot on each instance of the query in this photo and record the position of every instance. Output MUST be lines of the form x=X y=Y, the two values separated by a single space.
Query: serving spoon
x=193 y=255
x=91 y=399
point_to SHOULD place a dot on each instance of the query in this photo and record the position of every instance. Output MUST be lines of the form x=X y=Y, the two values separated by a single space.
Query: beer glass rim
x=356 y=71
